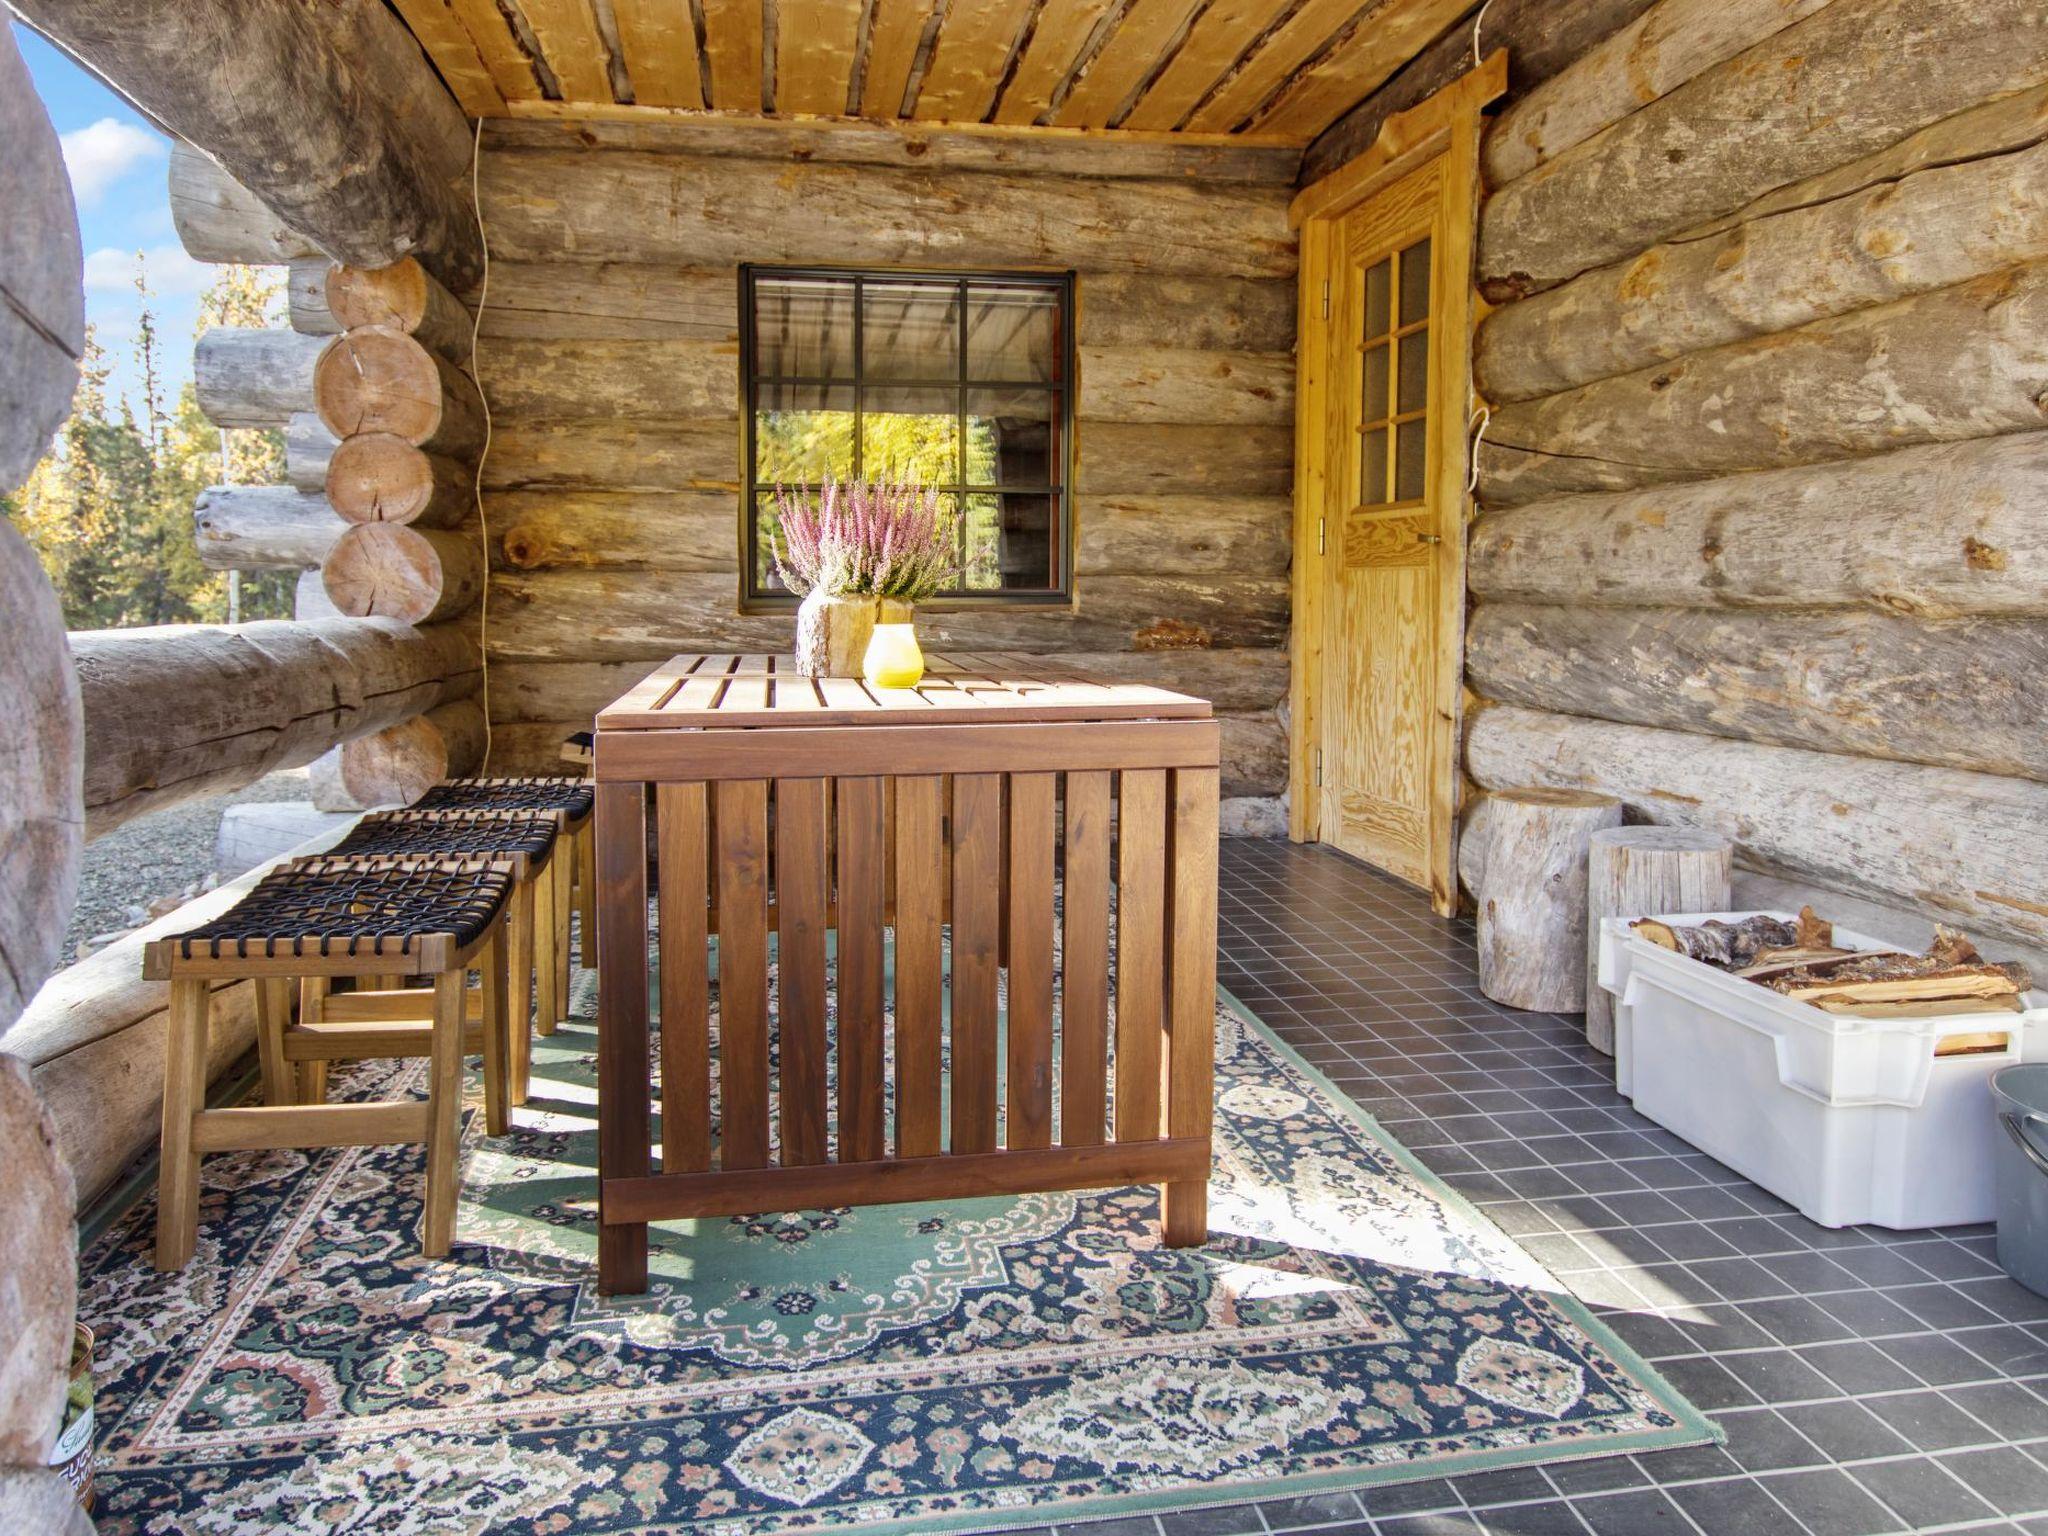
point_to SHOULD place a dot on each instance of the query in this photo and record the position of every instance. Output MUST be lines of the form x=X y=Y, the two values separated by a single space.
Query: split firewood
x=1734 y=946
x=1951 y=972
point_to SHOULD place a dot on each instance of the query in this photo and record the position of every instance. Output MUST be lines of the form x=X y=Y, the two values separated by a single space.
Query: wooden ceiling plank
x=815 y=44
x=1352 y=71
x=894 y=32
x=511 y=69
x=567 y=33
x=968 y=60
x=455 y=55
x=1292 y=44
x=1220 y=35
x=1146 y=31
x=659 y=41
x=732 y=42
x=1063 y=30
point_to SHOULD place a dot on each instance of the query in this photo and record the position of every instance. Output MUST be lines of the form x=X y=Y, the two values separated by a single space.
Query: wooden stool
x=575 y=877
x=324 y=918
x=527 y=840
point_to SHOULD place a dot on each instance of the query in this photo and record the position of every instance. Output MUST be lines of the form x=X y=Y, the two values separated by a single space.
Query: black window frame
x=757 y=599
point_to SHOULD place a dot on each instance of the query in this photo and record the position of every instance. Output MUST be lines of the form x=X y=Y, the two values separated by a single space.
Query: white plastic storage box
x=1851 y=1120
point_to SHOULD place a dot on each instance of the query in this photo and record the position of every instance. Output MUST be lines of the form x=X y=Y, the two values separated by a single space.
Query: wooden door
x=1381 y=505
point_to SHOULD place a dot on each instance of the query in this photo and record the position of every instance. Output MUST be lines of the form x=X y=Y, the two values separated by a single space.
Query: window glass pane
x=1374 y=404
x=803 y=432
x=910 y=433
x=1010 y=437
x=1008 y=543
x=767 y=537
x=1376 y=290
x=1012 y=334
x=803 y=327
x=1410 y=448
x=1415 y=283
x=1414 y=370
x=1372 y=468
x=911 y=330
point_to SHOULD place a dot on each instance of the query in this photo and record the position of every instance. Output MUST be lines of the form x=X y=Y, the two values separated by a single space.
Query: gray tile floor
x=1868 y=1381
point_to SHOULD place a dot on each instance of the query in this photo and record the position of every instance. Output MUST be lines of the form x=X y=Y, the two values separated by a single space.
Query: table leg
x=1191 y=991
x=624 y=1087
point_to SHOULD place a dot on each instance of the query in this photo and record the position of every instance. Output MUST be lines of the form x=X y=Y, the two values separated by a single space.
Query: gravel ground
x=159 y=855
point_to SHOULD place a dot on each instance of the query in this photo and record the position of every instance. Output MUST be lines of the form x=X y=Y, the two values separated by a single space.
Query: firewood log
x=1532 y=904
x=1646 y=870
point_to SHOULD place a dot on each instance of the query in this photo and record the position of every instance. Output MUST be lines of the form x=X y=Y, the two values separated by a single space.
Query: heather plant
x=863 y=539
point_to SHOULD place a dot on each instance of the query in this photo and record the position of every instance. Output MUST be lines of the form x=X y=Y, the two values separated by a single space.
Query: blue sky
x=118 y=164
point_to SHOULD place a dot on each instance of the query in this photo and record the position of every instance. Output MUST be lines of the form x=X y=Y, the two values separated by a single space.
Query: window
x=963 y=382
x=1396 y=349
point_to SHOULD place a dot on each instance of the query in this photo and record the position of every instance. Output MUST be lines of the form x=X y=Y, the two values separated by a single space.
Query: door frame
x=1448 y=124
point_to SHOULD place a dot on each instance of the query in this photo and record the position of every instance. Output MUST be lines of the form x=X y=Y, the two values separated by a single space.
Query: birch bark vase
x=832 y=634
x=1532 y=905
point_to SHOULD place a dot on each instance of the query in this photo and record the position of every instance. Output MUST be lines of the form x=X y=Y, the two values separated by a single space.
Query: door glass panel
x=1415 y=283
x=1377 y=280
x=1414 y=370
x=1410 y=462
x=1375 y=393
x=1372 y=467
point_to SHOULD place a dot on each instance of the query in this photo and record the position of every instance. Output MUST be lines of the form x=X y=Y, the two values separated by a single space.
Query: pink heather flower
x=860 y=539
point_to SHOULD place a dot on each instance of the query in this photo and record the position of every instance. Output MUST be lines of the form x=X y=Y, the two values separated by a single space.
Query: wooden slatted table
x=935 y=816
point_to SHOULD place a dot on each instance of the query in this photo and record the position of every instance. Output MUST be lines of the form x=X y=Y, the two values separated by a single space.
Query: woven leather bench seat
x=329 y=906
x=573 y=798
x=441 y=834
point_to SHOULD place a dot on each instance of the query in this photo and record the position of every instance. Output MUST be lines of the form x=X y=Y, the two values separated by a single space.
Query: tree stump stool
x=1640 y=872
x=527 y=840
x=575 y=882
x=1532 y=905
x=326 y=918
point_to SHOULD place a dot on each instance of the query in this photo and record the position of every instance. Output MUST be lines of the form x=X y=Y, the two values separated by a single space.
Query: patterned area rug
x=962 y=1366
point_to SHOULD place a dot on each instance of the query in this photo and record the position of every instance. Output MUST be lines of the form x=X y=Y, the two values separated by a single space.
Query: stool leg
x=519 y=1001
x=586 y=890
x=273 y=1018
x=564 y=874
x=547 y=980
x=177 y=1190
x=444 y=1112
x=491 y=963
x=313 y=991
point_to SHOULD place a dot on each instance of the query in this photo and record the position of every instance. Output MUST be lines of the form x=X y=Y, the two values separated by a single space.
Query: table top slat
x=730 y=691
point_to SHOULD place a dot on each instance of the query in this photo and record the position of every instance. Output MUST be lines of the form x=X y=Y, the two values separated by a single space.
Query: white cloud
x=102 y=154
x=171 y=272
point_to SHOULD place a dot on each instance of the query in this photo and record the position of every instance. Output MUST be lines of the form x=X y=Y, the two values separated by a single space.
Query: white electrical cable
x=483 y=521
x=1483 y=416
x=1477 y=22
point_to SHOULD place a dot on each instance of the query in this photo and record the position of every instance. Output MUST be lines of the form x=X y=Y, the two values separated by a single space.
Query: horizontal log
x=622 y=615
x=403 y=297
x=1177 y=385
x=1126 y=458
x=1958 y=693
x=305 y=290
x=1823 y=91
x=262 y=528
x=1540 y=37
x=1222 y=314
x=1650 y=57
x=94 y=1037
x=378 y=477
x=606 y=456
x=377 y=379
x=1962 y=843
x=594 y=301
x=396 y=571
x=1961 y=362
x=907 y=146
x=1928 y=230
x=1183 y=535
x=220 y=220
x=308 y=447
x=397 y=765
x=609 y=380
x=1235 y=681
x=310 y=599
x=329 y=114
x=250 y=377
x=711 y=212
x=1252 y=754
x=1946 y=530
x=189 y=710
x=671 y=530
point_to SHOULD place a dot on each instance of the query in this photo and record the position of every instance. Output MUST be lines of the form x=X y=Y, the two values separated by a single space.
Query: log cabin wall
x=609 y=356
x=1763 y=542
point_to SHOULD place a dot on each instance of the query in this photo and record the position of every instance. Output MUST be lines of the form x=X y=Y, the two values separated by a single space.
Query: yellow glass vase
x=893 y=659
